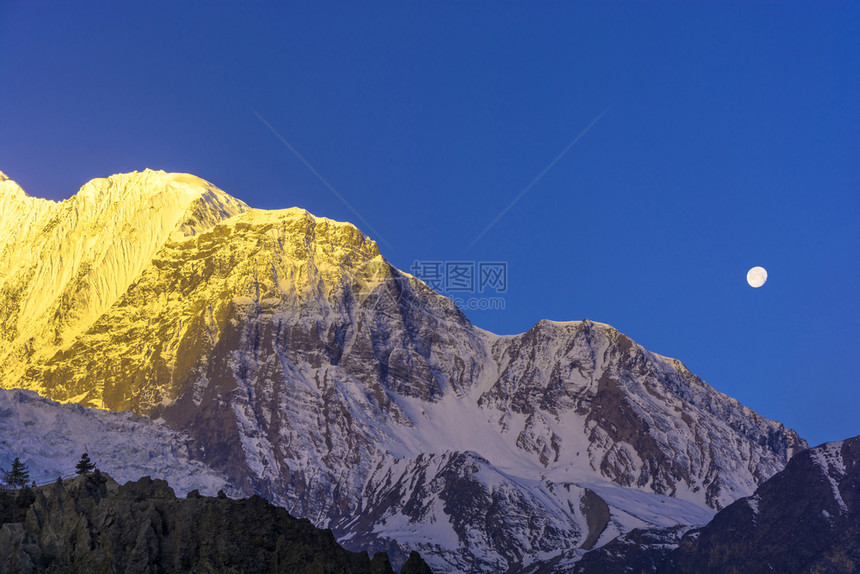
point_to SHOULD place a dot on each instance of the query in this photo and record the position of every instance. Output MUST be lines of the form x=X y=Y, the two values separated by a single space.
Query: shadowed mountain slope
x=804 y=519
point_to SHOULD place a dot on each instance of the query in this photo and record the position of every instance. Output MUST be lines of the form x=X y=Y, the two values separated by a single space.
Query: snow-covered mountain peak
x=153 y=189
x=305 y=367
x=9 y=189
x=585 y=328
x=148 y=181
x=309 y=250
x=314 y=254
x=64 y=264
x=5 y=178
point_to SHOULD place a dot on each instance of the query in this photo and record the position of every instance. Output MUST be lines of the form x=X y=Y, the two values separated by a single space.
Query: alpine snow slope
x=49 y=438
x=306 y=368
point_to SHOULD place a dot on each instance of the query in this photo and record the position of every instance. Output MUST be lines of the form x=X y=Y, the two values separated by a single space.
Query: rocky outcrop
x=432 y=502
x=640 y=550
x=415 y=565
x=804 y=519
x=91 y=524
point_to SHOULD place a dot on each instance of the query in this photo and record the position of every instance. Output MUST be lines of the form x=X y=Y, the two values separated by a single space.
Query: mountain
x=304 y=367
x=805 y=518
x=92 y=524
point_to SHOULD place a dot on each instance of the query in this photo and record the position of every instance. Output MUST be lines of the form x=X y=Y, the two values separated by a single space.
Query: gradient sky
x=731 y=138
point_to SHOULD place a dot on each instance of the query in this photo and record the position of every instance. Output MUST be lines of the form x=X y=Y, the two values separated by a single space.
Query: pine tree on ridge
x=84 y=465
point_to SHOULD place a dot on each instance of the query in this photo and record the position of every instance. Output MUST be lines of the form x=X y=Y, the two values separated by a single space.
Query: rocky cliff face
x=804 y=519
x=91 y=524
x=635 y=409
x=307 y=369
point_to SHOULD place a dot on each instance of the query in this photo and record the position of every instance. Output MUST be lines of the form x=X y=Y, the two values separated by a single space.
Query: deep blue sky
x=731 y=138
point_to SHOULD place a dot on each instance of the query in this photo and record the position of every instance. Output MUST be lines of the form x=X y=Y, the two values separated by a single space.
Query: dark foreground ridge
x=804 y=519
x=92 y=524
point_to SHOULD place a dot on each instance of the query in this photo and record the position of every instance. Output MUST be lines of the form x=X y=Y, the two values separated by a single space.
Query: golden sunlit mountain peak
x=10 y=188
x=65 y=263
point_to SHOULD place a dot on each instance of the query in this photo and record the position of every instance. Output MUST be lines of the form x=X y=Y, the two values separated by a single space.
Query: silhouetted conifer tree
x=84 y=465
x=19 y=475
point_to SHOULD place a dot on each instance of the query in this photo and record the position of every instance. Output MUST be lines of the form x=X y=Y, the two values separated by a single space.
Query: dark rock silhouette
x=415 y=565
x=804 y=519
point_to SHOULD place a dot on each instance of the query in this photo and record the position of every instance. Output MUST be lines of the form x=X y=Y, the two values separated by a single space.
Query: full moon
x=756 y=276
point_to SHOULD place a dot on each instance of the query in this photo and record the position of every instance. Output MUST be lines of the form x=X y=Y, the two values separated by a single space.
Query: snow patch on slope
x=49 y=438
x=829 y=458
